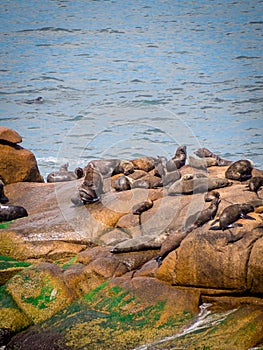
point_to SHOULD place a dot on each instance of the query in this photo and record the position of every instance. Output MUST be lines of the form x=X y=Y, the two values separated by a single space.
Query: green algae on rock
x=39 y=291
x=110 y=317
x=10 y=267
x=10 y=314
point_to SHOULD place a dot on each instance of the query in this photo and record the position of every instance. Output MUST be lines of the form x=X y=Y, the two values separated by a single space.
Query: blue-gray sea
x=121 y=79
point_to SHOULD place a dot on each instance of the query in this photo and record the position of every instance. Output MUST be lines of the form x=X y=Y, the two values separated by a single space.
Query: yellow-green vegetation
x=10 y=267
x=69 y=263
x=39 y=291
x=6 y=262
x=10 y=315
x=240 y=330
x=111 y=318
x=4 y=225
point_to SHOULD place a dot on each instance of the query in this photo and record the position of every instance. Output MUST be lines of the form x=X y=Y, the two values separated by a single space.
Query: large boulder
x=17 y=164
x=40 y=291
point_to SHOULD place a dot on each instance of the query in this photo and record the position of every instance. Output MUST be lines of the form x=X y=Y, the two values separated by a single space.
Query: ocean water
x=122 y=79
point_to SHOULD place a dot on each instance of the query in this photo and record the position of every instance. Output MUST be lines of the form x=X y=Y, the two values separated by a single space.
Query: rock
x=9 y=135
x=128 y=221
x=254 y=267
x=10 y=314
x=40 y=291
x=10 y=267
x=111 y=317
x=44 y=340
x=221 y=260
x=21 y=161
x=113 y=237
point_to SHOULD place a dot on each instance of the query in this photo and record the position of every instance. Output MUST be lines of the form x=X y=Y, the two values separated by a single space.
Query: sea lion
x=205 y=153
x=209 y=196
x=171 y=243
x=12 y=212
x=65 y=175
x=139 y=208
x=122 y=183
x=197 y=183
x=161 y=171
x=231 y=214
x=174 y=240
x=200 y=218
x=144 y=163
x=136 y=244
x=37 y=100
x=160 y=166
x=178 y=160
x=110 y=167
x=202 y=163
x=3 y=198
x=141 y=183
x=92 y=187
x=255 y=184
x=240 y=170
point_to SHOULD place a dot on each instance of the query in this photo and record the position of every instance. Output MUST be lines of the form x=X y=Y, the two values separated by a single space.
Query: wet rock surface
x=83 y=275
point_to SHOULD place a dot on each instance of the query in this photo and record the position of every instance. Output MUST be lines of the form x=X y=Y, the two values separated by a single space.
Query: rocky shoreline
x=85 y=276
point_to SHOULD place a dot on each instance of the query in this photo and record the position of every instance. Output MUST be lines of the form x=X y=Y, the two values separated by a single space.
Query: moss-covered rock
x=10 y=267
x=110 y=317
x=40 y=291
x=11 y=316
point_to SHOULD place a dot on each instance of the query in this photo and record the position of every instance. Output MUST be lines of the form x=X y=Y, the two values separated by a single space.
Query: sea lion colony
x=165 y=173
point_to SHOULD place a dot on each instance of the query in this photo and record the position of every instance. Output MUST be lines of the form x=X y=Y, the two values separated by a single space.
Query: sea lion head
x=246 y=208
x=122 y=184
x=79 y=172
x=181 y=150
x=127 y=167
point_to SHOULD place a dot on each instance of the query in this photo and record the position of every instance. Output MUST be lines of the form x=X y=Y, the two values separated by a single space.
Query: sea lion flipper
x=234 y=225
x=159 y=260
x=248 y=217
x=214 y=228
x=214 y=222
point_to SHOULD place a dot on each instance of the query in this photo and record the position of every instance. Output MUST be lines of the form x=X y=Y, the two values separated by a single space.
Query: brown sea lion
x=136 y=244
x=141 y=183
x=231 y=214
x=92 y=187
x=122 y=183
x=65 y=175
x=240 y=170
x=144 y=163
x=178 y=160
x=3 y=198
x=255 y=184
x=209 y=196
x=110 y=167
x=202 y=163
x=171 y=243
x=160 y=166
x=161 y=171
x=139 y=208
x=11 y=212
x=205 y=153
x=197 y=183
x=200 y=218
x=37 y=100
